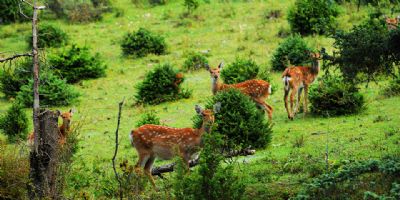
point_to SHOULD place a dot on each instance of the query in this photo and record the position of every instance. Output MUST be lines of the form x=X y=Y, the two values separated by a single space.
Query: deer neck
x=315 y=67
x=64 y=128
x=217 y=85
x=205 y=128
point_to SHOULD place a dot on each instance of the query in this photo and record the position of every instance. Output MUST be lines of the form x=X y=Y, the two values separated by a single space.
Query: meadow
x=226 y=30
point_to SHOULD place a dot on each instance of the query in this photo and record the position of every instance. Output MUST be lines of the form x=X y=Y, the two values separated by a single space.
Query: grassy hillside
x=228 y=30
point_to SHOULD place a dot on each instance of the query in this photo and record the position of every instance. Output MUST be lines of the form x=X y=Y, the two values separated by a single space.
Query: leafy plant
x=143 y=42
x=49 y=36
x=79 y=11
x=240 y=70
x=393 y=88
x=313 y=16
x=10 y=11
x=77 y=63
x=332 y=96
x=195 y=61
x=191 y=5
x=14 y=77
x=239 y=120
x=14 y=123
x=148 y=118
x=53 y=91
x=160 y=85
x=293 y=49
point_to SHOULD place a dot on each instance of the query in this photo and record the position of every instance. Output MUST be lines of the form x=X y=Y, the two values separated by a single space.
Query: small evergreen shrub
x=80 y=11
x=148 y=118
x=49 y=36
x=53 y=91
x=333 y=96
x=143 y=42
x=14 y=172
x=160 y=85
x=14 y=123
x=294 y=50
x=14 y=77
x=239 y=120
x=77 y=63
x=195 y=61
x=191 y=5
x=213 y=179
x=240 y=70
x=393 y=89
x=313 y=16
x=10 y=11
x=394 y=45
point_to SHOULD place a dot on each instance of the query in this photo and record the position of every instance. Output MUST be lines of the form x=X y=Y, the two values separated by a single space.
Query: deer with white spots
x=258 y=90
x=155 y=141
x=296 y=78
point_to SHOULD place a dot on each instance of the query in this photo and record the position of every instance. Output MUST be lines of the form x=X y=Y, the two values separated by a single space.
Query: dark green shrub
x=77 y=63
x=240 y=70
x=10 y=12
x=14 y=172
x=394 y=45
x=332 y=96
x=14 y=123
x=313 y=16
x=148 y=118
x=212 y=179
x=160 y=85
x=80 y=11
x=363 y=53
x=239 y=120
x=293 y=49
x=143 y=42
x=191 y=5
x=393 y=88
x=195 y=61
x=14 y=77
x=53 y=92
x=266 y=76
x=49 y=36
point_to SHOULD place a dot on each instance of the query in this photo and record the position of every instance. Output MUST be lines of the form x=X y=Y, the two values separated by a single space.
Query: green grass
x=245 y=34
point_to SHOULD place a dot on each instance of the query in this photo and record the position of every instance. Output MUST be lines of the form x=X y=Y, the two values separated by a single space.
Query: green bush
x=293 y=49
x=143 y=42
x=239 y=120
x=393 y=88
x=240 y=70
x=313 y=16
x=80 y=11
x=14 y=77
x=148 y=118
x=195 y=61
x=10 y=12
x=53 y=91
x=362 y=52
x=14 y=123
x=160 y=85
x=77 y=63
x=333 y=96
x=191 y=5
x=394 y=45
x=49 y=36
x=213 y=179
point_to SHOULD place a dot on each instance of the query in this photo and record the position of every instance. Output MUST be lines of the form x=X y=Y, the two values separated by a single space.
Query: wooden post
x=36 y=105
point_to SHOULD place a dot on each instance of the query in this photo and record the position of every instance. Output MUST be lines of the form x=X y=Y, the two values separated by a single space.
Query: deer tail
x=286 y=80
x=269 y=89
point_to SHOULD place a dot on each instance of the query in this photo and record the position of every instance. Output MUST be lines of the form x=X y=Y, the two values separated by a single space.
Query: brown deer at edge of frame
x=297 y=78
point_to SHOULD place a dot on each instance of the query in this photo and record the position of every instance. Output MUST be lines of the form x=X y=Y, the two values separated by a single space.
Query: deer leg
x=266 y=107
x=285 y=99
x=143 y=157
x=305 y=106
x=292 y=96
x=147 y=170
x=298 y=100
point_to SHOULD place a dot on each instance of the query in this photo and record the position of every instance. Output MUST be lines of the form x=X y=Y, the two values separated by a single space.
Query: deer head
x=215 y=73
x=66 y=117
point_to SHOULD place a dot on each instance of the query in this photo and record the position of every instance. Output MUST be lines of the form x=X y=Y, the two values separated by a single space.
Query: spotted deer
x=64 y=128
x=155 y=141
x=392 y=23
x=258 y=90
x=296 y=78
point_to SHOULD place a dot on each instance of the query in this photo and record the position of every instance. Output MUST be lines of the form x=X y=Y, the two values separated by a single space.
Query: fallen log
x=158 y=171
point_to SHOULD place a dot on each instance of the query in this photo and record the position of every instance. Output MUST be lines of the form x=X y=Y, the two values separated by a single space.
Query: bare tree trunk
x=36 y=106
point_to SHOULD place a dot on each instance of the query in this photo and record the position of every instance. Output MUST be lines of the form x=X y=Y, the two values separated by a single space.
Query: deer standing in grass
x=152 y=141
x=63 y=129
x=296 y=78
x=258 y=90
x=392 y=23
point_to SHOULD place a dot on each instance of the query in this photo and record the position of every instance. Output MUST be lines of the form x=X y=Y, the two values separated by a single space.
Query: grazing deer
x=296 y=78
x=258 y=90
x=151 y=141
x=63 y=129
x=392 y=23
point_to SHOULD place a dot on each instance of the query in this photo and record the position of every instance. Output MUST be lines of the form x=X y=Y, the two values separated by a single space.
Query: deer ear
x=198 y=109
x=221 y=65
x=207 y=66
x=217 y=107
x=71 y=111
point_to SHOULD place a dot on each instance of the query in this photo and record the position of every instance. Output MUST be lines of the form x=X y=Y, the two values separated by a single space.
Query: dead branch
x=116 y=148
x=158 y=171
x=14 y=57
